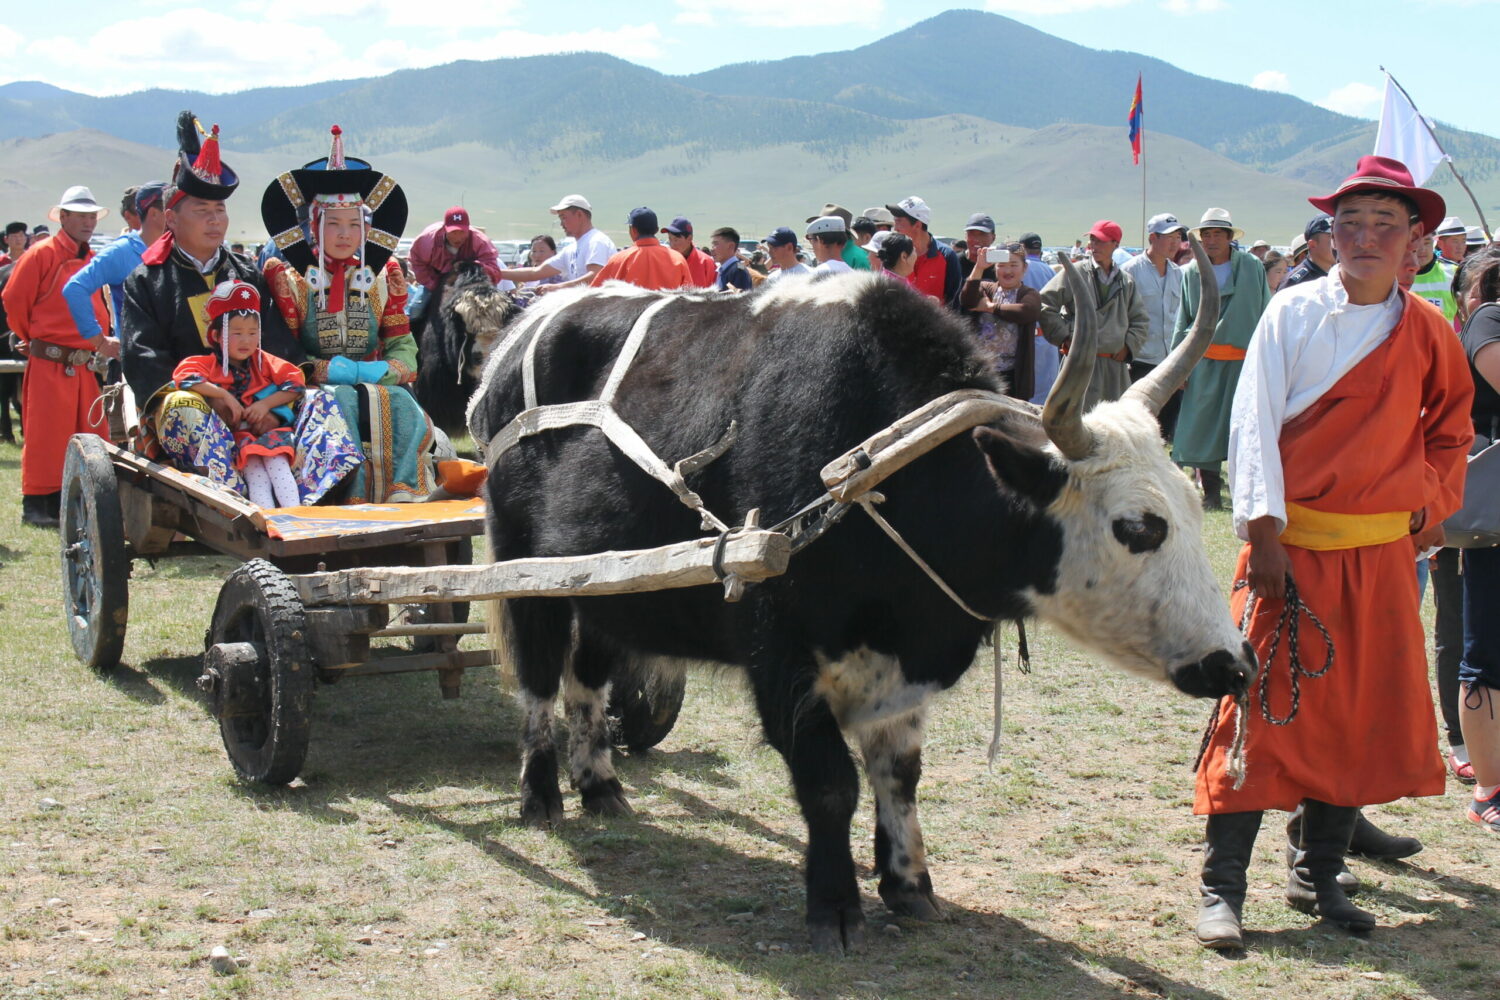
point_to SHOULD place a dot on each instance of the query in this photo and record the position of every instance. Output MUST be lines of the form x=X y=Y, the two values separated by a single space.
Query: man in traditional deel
x=1347 y=449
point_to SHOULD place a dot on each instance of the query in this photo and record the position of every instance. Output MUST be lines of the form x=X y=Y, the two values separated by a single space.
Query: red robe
x=1392 y=435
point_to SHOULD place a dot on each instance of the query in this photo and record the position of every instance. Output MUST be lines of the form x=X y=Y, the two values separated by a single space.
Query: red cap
x=1107 y=231
x=1383 y=175
x=456 y=217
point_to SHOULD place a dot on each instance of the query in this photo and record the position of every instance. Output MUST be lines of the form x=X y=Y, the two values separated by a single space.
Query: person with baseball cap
x=60 y=387
x=647 y=263
x=1123 y=321
x=701 y=266
x=1318 y=235
x=442 y=246
x=938 y=272
x=1348 y=445
x=1201 y=441
x=1159 y=280
x=575 y=265
x=828 y=237
x=782 y=248
x=851 y=253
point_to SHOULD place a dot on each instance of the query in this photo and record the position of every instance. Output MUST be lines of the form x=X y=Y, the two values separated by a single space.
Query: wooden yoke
x=862 y=468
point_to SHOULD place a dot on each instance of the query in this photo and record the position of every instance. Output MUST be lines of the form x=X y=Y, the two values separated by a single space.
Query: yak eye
x=1143 y=534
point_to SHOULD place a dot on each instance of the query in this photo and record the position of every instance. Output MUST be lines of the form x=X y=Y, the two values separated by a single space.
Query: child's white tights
x=271 y=482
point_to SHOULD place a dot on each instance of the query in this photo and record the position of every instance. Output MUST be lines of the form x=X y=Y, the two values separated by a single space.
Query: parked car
x=512 y=253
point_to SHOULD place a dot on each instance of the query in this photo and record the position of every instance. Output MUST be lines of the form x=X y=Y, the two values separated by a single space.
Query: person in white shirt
x=577 y=265
x=782 y=247
x=1349 y=434
x=828 y=236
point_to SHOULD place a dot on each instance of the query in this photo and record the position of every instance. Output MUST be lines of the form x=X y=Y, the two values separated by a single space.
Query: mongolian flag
x=1137 y=135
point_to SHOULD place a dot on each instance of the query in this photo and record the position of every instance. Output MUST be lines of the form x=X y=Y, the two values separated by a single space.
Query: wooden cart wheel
x=259 y=675
x=643 y=703
x=95 y=567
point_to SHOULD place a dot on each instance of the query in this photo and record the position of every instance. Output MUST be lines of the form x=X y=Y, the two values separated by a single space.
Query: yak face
x=475 y=314
x=1133 y=581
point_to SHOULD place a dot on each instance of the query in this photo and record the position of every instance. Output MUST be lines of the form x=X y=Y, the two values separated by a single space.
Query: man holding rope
x=1347 y=446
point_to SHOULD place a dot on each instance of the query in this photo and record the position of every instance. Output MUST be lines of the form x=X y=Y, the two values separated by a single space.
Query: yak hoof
x=541 y=813
x=842 y=932
x=607 y=798
x=915 y=901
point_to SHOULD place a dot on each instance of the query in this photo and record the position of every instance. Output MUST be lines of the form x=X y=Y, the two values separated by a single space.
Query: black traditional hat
x=199 y=173
x=334 y=182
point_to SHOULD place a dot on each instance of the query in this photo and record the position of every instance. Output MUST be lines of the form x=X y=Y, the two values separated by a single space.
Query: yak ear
x=1022 y=469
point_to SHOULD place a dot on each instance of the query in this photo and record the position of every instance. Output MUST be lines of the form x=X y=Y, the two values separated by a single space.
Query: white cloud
x=10 y=41
x=1193 y=6
x=1358 y=99
x=444 y=16
x=209 y=51
x=1054 y=7
x=1271 y=79
x=822 y=14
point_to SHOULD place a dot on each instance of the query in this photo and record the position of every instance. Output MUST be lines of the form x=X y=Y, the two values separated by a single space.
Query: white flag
x=1403 y=135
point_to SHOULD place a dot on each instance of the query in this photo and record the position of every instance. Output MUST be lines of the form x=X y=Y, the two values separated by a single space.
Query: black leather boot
x=1371 y=841
x=1213 y=488
x=36 y=510
x=1313 y=884
x=1347 y=879
x=1228 y=841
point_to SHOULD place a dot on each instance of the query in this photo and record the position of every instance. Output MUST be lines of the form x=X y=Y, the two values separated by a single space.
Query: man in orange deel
x=1347 y=446
x=60 y=389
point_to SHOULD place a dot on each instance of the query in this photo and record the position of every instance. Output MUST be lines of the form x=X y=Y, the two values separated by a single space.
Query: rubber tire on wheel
x=643 y=703
x=95 y=567
x=258 y=604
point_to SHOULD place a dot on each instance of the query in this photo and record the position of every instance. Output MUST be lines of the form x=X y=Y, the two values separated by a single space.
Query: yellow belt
x=1323 y=531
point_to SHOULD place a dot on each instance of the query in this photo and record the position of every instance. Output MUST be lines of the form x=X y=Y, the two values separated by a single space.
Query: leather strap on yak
x=601 y=414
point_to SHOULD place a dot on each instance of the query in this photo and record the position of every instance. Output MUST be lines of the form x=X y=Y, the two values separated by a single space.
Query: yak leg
x=803 y=730
x=541 y=631
x=893 y=761
x=585 y=695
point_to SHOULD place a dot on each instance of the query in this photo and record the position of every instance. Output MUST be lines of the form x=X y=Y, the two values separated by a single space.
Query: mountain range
x=753 y=145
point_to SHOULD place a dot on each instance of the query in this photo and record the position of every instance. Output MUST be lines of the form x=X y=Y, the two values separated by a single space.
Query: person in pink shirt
x=441 y=246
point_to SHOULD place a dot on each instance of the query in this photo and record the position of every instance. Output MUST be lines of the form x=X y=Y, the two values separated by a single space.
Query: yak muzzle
x=1217 y=674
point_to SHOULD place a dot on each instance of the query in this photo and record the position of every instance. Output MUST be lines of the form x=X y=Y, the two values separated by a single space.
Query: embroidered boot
x=1229 y=839
x=1313 y=885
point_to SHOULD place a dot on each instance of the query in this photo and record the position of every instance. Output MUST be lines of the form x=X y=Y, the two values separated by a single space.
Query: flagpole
x=1432 y=132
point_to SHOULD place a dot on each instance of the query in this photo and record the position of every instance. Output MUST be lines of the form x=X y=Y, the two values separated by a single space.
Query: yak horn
x=1062 y=415
x=1155 y=389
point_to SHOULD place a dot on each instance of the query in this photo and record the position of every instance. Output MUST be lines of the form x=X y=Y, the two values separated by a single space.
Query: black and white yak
x=462 y=322
x=1080 y=520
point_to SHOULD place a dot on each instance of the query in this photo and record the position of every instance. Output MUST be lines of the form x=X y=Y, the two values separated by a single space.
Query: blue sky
x=1325 y=51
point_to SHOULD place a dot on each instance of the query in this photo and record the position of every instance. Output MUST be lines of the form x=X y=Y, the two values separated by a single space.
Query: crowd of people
x=1345 y=381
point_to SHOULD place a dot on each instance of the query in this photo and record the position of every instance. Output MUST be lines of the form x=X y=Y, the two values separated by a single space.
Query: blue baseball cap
x=679 y=227
x=147 y=195
x=643 y=221
x=780 y=237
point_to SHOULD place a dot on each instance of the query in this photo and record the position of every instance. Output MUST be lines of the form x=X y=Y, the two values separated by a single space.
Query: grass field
x=396 y=869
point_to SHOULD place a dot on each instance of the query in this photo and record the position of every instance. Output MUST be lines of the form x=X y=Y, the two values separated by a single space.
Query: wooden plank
x=753 y=555
x=462 y=660
x=861 y=469
x=191 y=487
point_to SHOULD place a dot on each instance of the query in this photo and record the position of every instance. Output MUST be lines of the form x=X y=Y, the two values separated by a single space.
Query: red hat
x=232 y=296
x=456 y=217
x=1383 y=175
x=1108 y=231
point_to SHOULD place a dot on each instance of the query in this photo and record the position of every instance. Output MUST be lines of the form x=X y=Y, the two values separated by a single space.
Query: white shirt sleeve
x=599 y=250
x=1255 y=473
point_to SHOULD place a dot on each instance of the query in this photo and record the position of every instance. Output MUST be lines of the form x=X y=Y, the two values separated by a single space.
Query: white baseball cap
x=572 y=201
x=825 y=224
x=914 y=207
x=1164 y=223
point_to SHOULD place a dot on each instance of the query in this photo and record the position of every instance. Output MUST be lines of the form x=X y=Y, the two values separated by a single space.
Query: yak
x=463 y=322
x=1079 y=519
